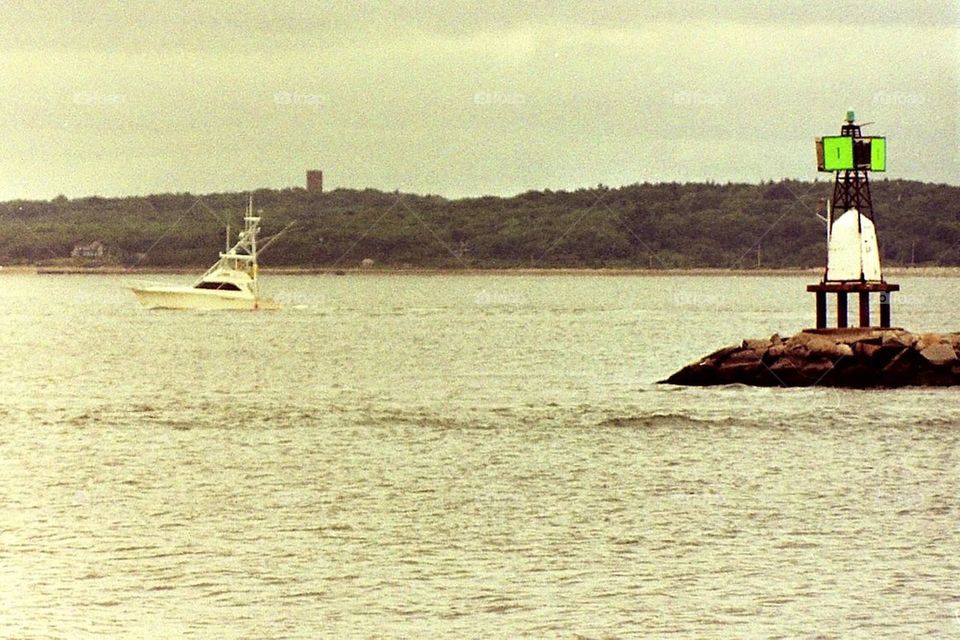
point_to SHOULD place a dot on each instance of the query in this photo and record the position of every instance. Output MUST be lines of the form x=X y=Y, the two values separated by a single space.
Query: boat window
x=225 y=286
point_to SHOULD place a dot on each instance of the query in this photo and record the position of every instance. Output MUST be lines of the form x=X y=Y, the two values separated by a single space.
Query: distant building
x=315 y=180
x=95 y=249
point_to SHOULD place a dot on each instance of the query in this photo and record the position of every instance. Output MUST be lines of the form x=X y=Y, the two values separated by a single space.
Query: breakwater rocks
x=856 y=358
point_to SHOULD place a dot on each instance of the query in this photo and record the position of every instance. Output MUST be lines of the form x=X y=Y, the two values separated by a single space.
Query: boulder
x=954 y=339
x=756 y=345
x=865 y=350
x=786 y=371
x=816 y=371
x=879 y=357
x=720 y=354
x=903 y=339
x=698 y=374
x=842 y=358
x=925 y=340
x=743 y=356
x=775 y=351
x=743 y=372
x=814 y=344
x=841 y=351
x=908 y=368
x=939 y=354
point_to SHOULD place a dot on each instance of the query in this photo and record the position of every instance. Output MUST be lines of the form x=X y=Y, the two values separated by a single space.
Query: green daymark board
x=837 y=153
x=845 y=153
x=878 y=154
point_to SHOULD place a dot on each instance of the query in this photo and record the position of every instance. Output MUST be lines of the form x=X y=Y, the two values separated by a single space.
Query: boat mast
x=253 y=223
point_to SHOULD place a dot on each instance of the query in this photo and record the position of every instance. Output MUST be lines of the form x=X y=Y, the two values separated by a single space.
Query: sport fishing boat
x=231 y=283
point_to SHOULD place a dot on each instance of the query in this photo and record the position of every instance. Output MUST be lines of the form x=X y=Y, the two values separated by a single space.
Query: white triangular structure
x=852 y=252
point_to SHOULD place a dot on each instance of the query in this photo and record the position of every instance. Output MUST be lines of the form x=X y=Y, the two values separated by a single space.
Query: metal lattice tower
x=852 y=187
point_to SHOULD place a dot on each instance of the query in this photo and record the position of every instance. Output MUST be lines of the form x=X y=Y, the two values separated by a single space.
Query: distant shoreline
x=441 y=271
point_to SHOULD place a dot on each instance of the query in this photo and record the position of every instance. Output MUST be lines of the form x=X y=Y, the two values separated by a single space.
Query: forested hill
x=665 y=225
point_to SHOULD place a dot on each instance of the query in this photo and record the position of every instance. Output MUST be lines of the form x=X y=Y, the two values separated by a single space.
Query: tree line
x=654 y=225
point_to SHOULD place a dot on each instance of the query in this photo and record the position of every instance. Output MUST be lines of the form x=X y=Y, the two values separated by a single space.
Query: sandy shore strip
x=890 y=273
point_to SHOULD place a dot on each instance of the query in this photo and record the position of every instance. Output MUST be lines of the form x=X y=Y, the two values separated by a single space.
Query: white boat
x=231 y=283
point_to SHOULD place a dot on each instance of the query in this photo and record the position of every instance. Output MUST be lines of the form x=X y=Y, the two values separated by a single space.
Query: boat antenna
x=275 y=237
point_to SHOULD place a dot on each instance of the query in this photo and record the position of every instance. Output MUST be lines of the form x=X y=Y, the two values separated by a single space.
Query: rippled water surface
x=461 y=456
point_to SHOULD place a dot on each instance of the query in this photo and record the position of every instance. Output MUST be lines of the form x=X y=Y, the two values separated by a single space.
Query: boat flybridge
x=231 y=283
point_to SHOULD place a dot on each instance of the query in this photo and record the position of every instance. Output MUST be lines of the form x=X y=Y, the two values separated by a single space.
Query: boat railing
x=238 y=256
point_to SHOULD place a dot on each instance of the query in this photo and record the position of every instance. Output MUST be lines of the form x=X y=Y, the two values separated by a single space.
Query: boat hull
x=161 y=297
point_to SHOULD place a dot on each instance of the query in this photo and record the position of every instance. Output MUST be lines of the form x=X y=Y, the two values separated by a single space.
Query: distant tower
x=853 y=254
x=315 y=180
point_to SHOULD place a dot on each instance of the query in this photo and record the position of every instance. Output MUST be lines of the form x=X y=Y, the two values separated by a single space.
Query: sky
x=464 y=98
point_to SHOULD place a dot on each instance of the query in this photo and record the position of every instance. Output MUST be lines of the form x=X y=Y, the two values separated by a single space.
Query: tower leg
x=821 y=309
x=864 y=308
x=885 y=308
x=841 y=309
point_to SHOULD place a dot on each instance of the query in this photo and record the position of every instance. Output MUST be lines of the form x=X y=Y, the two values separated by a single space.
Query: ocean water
x=469 y=456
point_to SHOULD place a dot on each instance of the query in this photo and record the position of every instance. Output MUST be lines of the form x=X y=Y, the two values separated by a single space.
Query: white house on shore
x=95 y=249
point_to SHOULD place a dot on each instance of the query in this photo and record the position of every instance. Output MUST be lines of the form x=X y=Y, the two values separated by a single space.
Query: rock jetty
x=855 y=357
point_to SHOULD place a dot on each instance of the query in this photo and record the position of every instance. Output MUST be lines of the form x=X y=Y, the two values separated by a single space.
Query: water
x=461 y=456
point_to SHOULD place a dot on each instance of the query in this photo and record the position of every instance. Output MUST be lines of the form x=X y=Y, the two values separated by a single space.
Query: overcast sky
x=463 y=98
